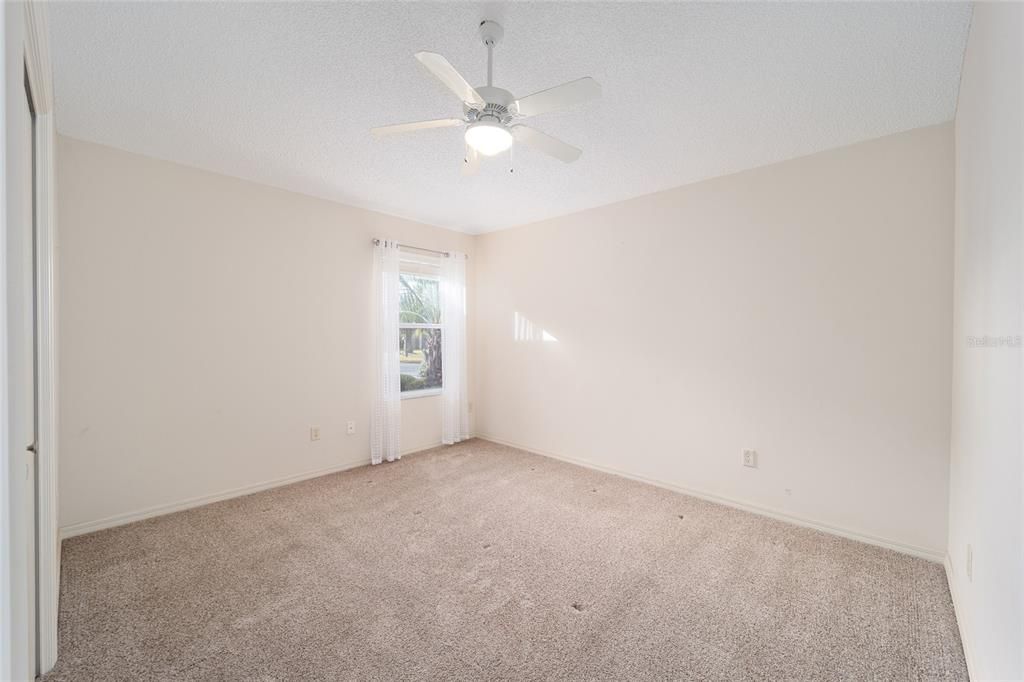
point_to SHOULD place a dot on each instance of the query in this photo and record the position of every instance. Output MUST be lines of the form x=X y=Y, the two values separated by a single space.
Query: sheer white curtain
x=455 y=399
x=385 y=423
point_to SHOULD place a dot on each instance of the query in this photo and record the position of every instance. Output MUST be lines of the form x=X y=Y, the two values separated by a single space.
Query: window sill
x=424 y=393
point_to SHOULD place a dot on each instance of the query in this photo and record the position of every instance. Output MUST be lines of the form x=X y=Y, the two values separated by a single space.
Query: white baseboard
x=935 y=555
x=130 y=517
x=962 y=620
x=171 y=507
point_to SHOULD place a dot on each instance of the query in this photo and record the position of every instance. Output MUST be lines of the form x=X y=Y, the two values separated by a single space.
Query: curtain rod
x=446 y=254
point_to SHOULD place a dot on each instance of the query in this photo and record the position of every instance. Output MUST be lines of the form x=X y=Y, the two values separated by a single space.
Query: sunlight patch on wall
x=523 y=329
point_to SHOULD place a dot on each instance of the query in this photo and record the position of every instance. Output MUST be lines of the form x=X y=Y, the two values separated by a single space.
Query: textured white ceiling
x=285 y=94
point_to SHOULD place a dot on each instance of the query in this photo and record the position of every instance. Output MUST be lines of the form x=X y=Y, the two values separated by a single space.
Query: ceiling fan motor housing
x=498 y=104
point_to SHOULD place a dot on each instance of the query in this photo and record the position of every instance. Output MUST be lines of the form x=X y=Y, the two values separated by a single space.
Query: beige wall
x=802 y=309
x=986 y=468
x=206 y=324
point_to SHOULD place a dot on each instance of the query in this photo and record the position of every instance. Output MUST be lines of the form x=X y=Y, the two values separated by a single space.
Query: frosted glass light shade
x=488 y=138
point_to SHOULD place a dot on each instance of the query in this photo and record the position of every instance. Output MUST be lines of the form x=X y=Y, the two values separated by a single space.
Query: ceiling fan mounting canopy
x=490 y=32
x=491 y=114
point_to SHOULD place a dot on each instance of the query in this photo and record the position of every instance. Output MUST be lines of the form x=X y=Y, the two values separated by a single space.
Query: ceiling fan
x=491 y=115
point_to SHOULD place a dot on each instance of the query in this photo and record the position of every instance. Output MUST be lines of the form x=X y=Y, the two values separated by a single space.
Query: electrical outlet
x=750 y=458
x=351 y=428
x=314 y=433
x=970 y=563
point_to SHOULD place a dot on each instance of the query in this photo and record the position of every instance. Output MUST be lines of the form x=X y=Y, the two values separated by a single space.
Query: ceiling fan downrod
x=491 y=34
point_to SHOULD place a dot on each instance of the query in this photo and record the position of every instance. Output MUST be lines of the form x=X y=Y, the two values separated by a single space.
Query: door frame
x=40 y=78
x=24 y=24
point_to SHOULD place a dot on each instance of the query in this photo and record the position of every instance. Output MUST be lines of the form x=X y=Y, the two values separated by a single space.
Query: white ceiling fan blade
x=558 y=97
x=470 y=162
x=418 y=125
x=543 y=142
x=453 y=80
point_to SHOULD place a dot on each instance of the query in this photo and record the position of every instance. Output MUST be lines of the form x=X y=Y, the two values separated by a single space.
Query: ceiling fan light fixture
x=488 y=137
x=491 y=114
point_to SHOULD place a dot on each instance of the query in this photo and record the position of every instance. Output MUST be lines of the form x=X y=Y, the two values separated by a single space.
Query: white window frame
x=423 y=392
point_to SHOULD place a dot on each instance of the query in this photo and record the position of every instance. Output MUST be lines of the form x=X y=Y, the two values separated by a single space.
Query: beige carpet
x=484 y=562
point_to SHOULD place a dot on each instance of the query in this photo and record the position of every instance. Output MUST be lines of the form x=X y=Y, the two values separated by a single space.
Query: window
x=419 y=326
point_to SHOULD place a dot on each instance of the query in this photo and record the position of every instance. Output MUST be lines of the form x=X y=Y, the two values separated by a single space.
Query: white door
x=21 y=306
